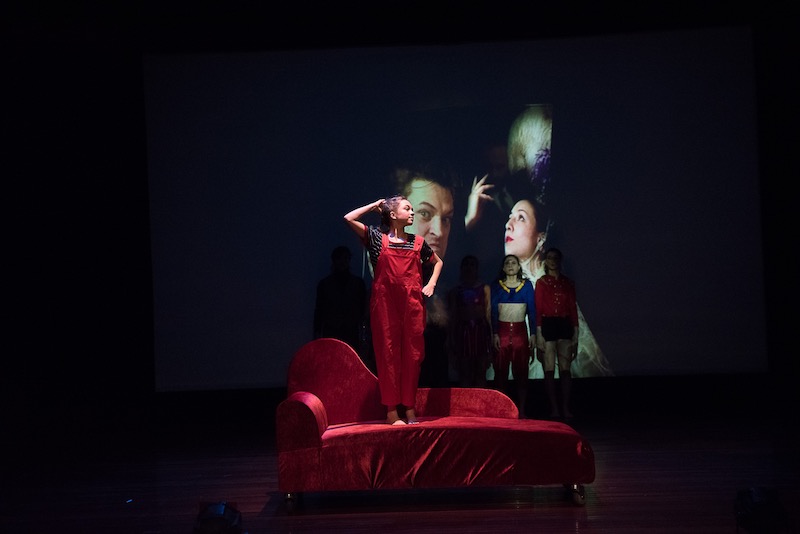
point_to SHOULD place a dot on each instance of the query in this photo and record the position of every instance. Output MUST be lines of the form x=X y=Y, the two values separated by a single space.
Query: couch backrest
x=333 y=371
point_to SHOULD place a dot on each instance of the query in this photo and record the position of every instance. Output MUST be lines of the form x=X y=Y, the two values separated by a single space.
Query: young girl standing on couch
x=397 y=308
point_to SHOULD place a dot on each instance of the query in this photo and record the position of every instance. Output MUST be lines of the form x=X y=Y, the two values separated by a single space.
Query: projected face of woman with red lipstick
x=523 y=237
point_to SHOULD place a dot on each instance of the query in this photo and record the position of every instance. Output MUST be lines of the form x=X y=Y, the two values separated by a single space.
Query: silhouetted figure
x=470 y=335
x=435 y=371
x=341 y=303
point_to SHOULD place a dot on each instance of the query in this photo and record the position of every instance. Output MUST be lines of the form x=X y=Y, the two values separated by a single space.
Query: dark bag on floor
x=218 y=518
x=758 y=511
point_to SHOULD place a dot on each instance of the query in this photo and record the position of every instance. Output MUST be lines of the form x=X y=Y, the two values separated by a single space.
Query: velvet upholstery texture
x=332 y=434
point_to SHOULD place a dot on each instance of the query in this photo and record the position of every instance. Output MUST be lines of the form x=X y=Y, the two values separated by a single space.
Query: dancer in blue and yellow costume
x=512 y=303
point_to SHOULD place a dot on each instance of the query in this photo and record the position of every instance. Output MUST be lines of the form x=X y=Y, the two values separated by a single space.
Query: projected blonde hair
x=530 y=136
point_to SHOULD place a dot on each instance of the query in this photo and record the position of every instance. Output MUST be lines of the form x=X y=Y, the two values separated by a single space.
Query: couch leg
x=576 y=493
x=293 y=502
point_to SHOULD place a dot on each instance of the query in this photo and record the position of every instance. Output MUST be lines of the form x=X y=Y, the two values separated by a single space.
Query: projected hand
x=477 y=198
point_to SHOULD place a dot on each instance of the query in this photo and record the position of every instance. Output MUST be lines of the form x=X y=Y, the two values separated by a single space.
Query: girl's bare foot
x=393 y=419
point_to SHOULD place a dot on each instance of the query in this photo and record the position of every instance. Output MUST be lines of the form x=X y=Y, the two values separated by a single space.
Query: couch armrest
x=300 y=421
x=469 y=402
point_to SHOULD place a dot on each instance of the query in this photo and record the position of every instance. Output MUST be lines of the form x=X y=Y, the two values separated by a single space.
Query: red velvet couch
x=332 y=435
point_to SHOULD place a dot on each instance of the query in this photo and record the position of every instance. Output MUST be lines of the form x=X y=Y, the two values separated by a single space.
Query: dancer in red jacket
x=556 y=329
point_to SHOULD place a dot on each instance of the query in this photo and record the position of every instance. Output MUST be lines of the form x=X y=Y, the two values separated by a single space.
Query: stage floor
x=663 y=472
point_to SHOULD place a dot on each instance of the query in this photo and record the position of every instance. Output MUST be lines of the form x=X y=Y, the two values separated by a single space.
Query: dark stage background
x=253 y=158
x=82 y=307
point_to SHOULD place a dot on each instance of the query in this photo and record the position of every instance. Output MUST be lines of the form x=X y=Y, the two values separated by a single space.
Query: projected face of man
x=523 y=238
x=433 y=213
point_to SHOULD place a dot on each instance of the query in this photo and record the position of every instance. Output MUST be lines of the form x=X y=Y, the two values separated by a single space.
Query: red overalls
x=397 y=318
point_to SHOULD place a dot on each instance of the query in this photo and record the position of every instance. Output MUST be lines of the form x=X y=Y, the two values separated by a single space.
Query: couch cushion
x=452 y=452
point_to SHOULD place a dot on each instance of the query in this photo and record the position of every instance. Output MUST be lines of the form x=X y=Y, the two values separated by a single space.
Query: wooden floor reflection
x=661 y=472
